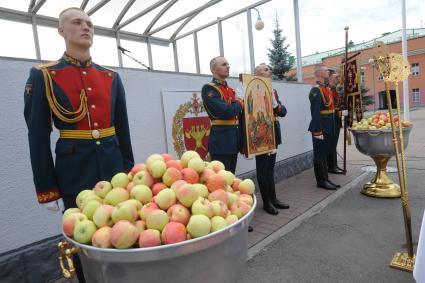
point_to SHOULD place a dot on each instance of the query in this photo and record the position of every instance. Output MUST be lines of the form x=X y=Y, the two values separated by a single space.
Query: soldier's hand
x=274 y=102
x=56 y=205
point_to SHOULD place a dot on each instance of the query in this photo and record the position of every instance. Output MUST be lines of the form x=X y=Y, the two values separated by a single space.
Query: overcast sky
x=322 y=28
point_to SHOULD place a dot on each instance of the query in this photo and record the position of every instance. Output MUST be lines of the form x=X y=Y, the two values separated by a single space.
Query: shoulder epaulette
x=106 y=69
x=46 y=65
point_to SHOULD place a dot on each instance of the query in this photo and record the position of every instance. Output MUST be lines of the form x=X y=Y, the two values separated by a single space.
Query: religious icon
x=258 y=118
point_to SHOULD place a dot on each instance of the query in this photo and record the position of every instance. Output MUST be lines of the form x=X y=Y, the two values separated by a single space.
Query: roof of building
x=387 y=38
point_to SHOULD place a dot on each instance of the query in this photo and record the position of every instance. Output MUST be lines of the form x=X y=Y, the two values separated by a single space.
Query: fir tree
x=280 y=59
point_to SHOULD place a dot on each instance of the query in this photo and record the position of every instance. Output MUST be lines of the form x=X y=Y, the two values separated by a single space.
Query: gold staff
x=395 y=68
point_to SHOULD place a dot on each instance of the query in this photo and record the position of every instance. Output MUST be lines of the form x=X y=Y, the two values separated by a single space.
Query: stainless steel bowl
x=216 y=257
x=378 y=142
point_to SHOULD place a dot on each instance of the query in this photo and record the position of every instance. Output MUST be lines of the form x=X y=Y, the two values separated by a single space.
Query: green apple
x=116 y=195
x=198 y=226
x=124 y=212
x=83 y=231
x=218 y=223
x=120 y=180
x=102 y=188
x=202 y=206
x=157 y=219
x=188 y=155
x=70 y=211
x=90 y=207
x=201 y=189
x=141 y=193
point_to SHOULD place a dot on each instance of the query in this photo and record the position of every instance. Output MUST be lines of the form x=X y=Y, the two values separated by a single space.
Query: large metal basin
x=217 y=257
x=378 y=144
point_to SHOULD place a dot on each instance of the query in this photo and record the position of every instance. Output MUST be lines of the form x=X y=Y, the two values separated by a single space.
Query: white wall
x=23 y=221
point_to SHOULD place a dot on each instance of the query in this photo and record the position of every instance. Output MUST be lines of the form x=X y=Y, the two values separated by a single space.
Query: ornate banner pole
x=395 y=69
x=345 y=100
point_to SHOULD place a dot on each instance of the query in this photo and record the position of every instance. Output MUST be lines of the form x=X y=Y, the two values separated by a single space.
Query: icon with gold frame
x=258 y=117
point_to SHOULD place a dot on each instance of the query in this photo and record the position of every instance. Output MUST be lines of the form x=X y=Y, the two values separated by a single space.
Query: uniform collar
x=219 y=82
x=76 y=62
x=322 y=84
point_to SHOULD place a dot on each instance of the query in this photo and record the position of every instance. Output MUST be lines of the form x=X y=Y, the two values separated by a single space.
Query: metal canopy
x=157 y=22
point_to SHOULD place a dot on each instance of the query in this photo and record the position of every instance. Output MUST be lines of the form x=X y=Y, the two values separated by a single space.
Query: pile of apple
x=378 y=121
x=162 y=201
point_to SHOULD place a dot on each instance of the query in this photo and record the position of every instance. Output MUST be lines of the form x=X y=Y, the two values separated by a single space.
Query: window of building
x=380 y=77
x=416 y=95
x=362 y=76
x=415 y=69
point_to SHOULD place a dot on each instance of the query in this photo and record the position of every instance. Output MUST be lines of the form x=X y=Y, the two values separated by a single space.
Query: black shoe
x=326 y=185
x=332 y=183
x=335 y=171
x=280 y=204
x=270 y=209
x=340 y=169
x=250 y=229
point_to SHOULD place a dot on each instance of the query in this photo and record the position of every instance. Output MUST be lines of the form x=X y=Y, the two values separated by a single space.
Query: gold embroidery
x=44 y=197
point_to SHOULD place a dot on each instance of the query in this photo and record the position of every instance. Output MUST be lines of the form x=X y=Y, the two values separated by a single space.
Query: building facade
x=370 y=78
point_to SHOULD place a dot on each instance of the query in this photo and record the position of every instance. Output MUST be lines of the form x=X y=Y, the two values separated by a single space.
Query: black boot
x=325 y=173
x=277 y=203
x=332 y=183
x=265 y=195
x=332 y=164
x=319 y=172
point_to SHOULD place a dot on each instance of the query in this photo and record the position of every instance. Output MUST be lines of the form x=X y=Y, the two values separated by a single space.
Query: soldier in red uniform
x=265 y=162
x=223 y=108
x=332 y=156
x=86 y=103
x=322 y=127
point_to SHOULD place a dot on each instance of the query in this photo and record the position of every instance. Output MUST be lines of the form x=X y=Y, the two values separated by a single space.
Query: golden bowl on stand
x=378 y=144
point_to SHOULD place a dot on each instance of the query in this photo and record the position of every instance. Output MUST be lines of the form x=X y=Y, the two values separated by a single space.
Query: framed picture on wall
x=258 y=117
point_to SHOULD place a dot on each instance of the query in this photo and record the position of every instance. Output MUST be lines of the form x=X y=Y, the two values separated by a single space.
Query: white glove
x=239 y=91
x=56 y=205
x=319 y=137
x=344 y=113
x=274 y=102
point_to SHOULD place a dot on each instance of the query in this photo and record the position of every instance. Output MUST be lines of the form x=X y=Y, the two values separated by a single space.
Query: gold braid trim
x=58 y=109
x=325 y=102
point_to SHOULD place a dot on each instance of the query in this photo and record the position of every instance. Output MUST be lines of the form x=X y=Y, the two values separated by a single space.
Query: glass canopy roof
x=152 y=28
x=162 y=19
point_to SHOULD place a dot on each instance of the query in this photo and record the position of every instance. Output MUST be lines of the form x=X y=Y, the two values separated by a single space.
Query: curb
x=317 y=208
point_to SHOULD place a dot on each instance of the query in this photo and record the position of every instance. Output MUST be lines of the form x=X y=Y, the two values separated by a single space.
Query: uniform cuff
x=48 y=196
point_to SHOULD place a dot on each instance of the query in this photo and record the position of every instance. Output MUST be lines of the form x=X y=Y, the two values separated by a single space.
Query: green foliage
x=366 y=99
x=280 y=60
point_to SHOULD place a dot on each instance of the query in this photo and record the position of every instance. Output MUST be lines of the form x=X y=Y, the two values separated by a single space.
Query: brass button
x=93 y=106
x=98 y=142
x=53 y=72
x=84 y=72
x=109 y=74
x=89 y=88
x=95 y=124
x=95 y=134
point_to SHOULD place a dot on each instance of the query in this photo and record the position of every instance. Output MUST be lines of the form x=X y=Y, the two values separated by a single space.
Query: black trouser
x=229 y=160
x=264 y=164
x=69 y=201
x=332 y=156
x=321 y=149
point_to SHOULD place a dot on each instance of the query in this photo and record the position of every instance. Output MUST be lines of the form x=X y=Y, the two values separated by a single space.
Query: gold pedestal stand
x=403 y=261
x=381 y=185
x=394 y=68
